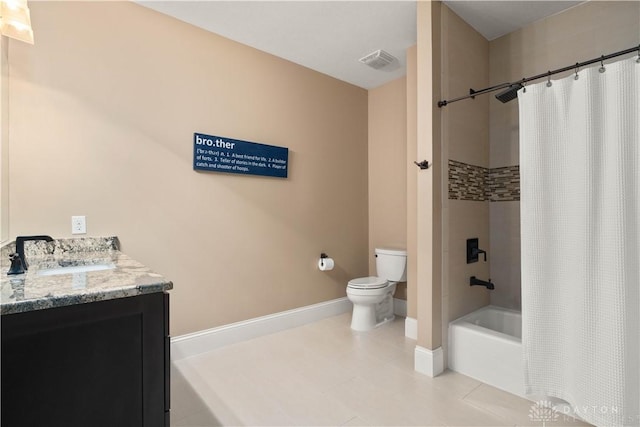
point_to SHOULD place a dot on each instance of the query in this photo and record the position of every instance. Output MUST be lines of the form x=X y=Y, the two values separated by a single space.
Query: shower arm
x=474 y=93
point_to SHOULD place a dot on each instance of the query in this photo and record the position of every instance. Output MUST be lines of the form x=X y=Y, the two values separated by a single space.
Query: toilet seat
x=368 y=283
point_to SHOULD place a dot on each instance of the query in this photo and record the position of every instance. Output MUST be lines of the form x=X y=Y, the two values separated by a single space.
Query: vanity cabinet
x=97 y=364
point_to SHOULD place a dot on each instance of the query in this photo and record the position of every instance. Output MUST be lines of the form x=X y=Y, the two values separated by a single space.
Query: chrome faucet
x=20 y=246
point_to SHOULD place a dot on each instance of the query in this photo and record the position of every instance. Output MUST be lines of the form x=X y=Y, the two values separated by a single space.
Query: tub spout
x=473 y=282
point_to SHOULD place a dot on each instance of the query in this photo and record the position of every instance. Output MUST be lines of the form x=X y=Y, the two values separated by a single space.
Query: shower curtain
x=580 y=225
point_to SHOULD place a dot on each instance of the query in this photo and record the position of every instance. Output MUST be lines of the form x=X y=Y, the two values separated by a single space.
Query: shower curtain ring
x=602 y=69
x=577 y=68
x=549 y=84
x=524 y=85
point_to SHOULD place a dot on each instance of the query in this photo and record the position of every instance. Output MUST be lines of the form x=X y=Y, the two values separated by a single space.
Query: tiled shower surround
x=471 y=182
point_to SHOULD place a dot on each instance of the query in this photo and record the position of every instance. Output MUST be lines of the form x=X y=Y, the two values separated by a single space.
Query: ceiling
x=330 y=36
x=494 y=19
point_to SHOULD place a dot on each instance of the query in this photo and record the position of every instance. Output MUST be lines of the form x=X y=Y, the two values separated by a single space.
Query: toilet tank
x=391 y=264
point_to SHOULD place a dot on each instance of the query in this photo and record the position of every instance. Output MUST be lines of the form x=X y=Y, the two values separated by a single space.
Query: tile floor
x=325 y=374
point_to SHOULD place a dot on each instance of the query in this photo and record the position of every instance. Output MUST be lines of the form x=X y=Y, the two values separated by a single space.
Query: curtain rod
x=474 y=93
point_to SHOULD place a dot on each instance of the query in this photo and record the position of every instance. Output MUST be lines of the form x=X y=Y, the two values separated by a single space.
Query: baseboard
x=400 y=307
x=429 y=362
x=188 y=345
x=411 y=328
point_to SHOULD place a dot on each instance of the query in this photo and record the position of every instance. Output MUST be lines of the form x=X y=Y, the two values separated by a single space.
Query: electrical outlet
x=79 y=224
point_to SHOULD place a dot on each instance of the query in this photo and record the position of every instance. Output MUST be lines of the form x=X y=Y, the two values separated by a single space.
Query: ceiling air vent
x=378 y=59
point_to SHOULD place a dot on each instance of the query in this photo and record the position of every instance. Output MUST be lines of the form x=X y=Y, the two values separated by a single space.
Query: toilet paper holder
x=322 y=257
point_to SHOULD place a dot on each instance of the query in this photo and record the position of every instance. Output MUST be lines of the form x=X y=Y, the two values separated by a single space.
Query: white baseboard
x=411 y=328
x=429 y=362
x=400 y=307
x=188 y=345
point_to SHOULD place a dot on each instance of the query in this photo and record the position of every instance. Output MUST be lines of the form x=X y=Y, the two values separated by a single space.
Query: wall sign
x=218 y=154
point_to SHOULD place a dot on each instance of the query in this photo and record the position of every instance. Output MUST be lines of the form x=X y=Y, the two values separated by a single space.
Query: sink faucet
x=16 y=265
x=473 y=282
x=20 y=246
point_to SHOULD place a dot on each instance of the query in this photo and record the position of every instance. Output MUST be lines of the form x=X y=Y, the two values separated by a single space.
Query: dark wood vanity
x=85 y=349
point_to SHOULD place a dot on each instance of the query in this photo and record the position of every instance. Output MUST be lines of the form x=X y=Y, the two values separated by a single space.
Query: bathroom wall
x=412 y=191
x=584 y=32
x=465 y=135
x=388 y=170
x=4 y=141
x=426 y=186
x=103 y=111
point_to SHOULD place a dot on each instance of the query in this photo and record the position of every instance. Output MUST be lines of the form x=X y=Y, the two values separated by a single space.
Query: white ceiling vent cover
x=378 y=59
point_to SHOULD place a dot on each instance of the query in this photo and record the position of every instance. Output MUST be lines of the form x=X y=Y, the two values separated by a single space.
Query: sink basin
x=75 y=269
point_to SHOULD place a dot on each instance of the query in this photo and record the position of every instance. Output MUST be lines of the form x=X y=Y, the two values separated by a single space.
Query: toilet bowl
x=372 y=297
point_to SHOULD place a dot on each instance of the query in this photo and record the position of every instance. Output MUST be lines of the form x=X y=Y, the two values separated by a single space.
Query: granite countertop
x=33 y=291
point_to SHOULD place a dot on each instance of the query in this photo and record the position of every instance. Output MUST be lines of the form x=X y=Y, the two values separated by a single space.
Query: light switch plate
x=79 y=224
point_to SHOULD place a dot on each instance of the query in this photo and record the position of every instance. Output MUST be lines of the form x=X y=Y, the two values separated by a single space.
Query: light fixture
x=15 y=20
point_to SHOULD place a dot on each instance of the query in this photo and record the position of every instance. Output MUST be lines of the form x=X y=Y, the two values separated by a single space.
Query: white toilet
x=372 y=297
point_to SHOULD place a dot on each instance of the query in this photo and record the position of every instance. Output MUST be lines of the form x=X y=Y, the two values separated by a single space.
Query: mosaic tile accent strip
x=504 y=184
x=477 y=183
x=467 y=182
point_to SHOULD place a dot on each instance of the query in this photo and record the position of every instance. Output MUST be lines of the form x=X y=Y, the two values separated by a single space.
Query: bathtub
x=487 y=345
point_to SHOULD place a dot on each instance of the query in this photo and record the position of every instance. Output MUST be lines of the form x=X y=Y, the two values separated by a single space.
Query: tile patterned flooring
x=325 y=374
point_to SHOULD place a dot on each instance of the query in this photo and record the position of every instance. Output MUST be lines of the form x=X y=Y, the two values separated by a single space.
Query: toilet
x=372 y=297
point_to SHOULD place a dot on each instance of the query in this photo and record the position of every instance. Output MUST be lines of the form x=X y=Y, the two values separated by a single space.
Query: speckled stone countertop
x=34 y=291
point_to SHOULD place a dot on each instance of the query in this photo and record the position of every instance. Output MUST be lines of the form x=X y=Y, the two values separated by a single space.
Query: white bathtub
x=487 y=345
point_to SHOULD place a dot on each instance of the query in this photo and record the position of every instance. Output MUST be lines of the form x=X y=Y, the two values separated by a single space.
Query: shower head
x=510 y=94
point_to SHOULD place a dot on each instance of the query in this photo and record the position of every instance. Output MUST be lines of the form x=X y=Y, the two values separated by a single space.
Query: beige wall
x=429 y=182
x=388 y=170
x=4 y=141
x=412 y=183
x=578 y=34
x=103 y=111
x=465 y=139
